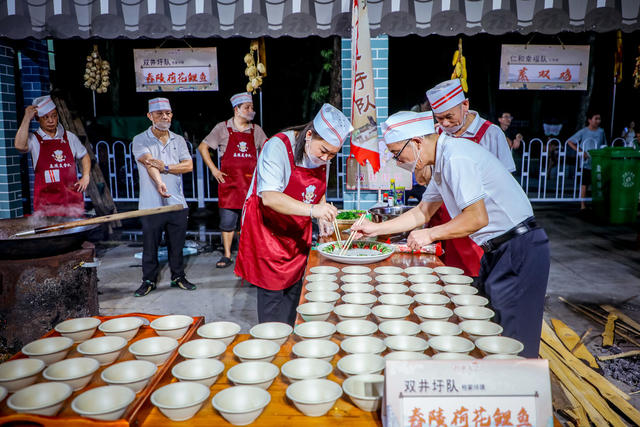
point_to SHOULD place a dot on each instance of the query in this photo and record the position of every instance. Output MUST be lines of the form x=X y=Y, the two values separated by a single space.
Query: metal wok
x=39 y=245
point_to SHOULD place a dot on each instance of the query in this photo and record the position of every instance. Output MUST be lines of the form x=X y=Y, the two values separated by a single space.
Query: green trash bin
x=624 y=185
x=600 y=180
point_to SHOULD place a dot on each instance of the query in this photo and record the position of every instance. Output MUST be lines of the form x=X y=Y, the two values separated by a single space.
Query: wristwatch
x=166 y=168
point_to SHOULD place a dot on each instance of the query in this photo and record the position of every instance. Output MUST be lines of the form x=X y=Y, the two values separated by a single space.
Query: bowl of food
x=356 y=327
x=75 y=372
x=352 y=288
x=40 y=399
x=499 y=345
x=365 y=391
x=277 y=332
x=356 y=278
x=256 y=350
x=322 y=286
x=180 y=401
x=310 y=311
x=362 y=363
x=399 y=327
x=106 y=403
x=49 y=350
x=241 y=405
x=78 y=329
x=223 y=331
x=480 y=328
x=316 y=349
x=351 y=311
x=305 y=369
x=19 y=373
x=436 y=328
x=358 y=252
x=359 y=298
x=425 y=288
x=104 y=349
x=472 y=312
x=365 y=344
x=202 y=348
x=134 y=374
x=257 y=374
x=390 y=312
x=432 y=312
x=316 y=329
x=154 y=349
x=314 y=397
x=401 y=300
x=431 y=299
x=173 y=326
x=203 y=371
x=125 y=327
x=406 y=343
x=450 y=344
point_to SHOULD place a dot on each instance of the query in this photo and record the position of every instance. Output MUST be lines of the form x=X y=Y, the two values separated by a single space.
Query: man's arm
x=21 y=141
x=185 y=166
x=83 y=182
x=154 y=174
x=203 y=148
x=406 y=222
x=287 y=205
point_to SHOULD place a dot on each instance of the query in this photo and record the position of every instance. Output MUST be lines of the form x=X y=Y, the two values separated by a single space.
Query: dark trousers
x=279 y=306
x=174 y=225
x=514 y=277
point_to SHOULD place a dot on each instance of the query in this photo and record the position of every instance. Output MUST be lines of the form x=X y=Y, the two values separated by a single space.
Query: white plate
x=356 y=269
x=388 y=269
x=324 y=269
x=360 y=252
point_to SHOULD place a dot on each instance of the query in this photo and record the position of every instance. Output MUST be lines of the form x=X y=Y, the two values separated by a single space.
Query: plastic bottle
x=392 y=195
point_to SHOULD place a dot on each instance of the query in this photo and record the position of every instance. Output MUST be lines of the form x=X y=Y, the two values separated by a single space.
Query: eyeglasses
x=162 y=113
x=397 y=155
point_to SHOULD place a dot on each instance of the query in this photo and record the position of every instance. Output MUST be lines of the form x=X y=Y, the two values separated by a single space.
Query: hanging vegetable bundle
x=96 y=73
x=256 y=69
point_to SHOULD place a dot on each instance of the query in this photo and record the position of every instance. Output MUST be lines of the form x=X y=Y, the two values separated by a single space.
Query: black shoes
x=144 y=289
x=182 y=283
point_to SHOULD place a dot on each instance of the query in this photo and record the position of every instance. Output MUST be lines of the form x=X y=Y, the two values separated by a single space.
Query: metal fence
x=547 y=171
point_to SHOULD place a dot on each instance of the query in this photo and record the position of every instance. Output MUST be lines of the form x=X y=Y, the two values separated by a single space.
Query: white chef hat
x=445 y=95
x=332 y=125
x=407 y=124
x=159 y=104
x=241 y=98
x=44 y=104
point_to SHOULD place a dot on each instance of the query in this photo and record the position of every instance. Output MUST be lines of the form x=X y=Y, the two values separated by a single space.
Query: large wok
x=39 y=245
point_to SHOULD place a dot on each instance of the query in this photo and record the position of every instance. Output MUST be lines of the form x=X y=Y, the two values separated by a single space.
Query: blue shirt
x=588 y=139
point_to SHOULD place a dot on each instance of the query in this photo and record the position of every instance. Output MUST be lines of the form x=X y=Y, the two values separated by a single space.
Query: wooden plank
x=609 y=330
x=559 y=400
x=578 y=413
x=572 y=341
x=620 y=355
x=626 y=319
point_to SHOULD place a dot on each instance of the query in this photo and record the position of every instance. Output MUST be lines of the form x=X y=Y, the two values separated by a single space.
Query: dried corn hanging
x=460 y=67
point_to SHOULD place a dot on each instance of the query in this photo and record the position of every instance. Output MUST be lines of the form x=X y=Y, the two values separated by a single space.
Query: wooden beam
x=609 y=330
x=626 y=319
x=573 y=342
x=578 y=413
x=620 y=355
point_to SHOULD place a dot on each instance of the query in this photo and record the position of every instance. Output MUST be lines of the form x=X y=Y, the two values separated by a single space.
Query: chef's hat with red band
x=241 y=98
x=406 y=125
x=332 y=125
x=159 y=104
x=44 y=105
x=445 y=95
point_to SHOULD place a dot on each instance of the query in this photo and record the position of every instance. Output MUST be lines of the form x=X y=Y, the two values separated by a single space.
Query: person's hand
x=519 y=137
x=325 y=212
x=162 y=189
x=82 y=183
x=365 y=229
x=419 y=238
x=30 y=112
x=326 y=228
x=219 y=176
x=156 y=163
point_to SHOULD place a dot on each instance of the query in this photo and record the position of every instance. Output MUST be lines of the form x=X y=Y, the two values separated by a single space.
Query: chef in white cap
x=238 y=142
x=57 y=191
x=287 y=192
x=487 y=205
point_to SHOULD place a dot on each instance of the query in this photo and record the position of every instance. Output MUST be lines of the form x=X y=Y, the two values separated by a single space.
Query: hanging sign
x=544 y=67
x=170 y=70
x=433 y=393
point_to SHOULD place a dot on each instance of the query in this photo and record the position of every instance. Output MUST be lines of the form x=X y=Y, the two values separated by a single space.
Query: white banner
x=167 y=70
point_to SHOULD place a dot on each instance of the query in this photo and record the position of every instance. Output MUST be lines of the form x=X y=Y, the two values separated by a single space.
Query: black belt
x=524 y=227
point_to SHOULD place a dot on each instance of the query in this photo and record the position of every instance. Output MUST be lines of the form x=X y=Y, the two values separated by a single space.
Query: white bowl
x=321 y=286
x=503 y=357
x=306 y=369
x=390 y=312
x=388 y=269
x=368 y=345
x=472 y=312
x=314 y=311
x=406 y=355
x=19 y=373
x=456 y=279
x=79 y=329
x=107 y=403
x=462 y=300
x=431 y=299
x=203 y=371
x=3 y=393
x=401 y=300
x=173 y=326
x=399 y=327
x=202 y=348
x=356 y=287
x=256 y=350
x=365 y=391
x=452 y=290
x=314 y=397
x=423 y=278
x=322 y=296
x=154 y=349
x=324 y=269
x=356 y=327
x=134 y=374
x=432 y=312
x=356 y=278
x=257 y=374
x=40 y=399
x=480 y=328
x=356 y=269
x=391 y=288
x=273 y=331
x=391 y=278
x=499 y=345
x=223 y=331
x=315 y=329
x=75 y=372
x=180 y=401
x=450 y=344
x=357 y=364
x=425 y=288
x=316 y=349
x=241 y=405
x=359 y=298
x=406 y=343
x=351 y=311
x=437 y=328
x=49 y=350
x=321 y=278
x=452 y=356
x=104 y=349
x=444 y=270
x=412 y=271
x=125 y=327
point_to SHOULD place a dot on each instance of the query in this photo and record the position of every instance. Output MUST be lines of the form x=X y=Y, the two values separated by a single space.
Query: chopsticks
x=352 y=234
x=336 y=229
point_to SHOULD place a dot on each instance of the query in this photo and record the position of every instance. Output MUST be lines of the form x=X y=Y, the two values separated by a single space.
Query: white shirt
x=274 y=168
x=77 y=147
x=465 y=173
x=493 y=140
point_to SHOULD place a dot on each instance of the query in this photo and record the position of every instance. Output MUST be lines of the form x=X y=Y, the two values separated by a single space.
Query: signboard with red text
x=171 y=70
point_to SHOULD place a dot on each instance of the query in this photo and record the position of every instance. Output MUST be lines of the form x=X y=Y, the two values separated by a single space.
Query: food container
x=411 y=271
x=365 y=344
x=431 y=299
x=444 y=270
x=452 y=356
x=472 y=312
x=390 y=278
x=202 y=348
x=456 y=279
x=453 y=290
x=277 y=332
x=321 y=278
x=399 y=327
x=322 y=286
x=390 y=312
x=388 y=269
x=19 y=373
x=306 y=369
x=78 y=329
x=315 y=329
x=480 y=328
x=154 y=349
x=356 y=278
x=356 y=269
x=351 y=288
x=257 y=374
x=104 y=349
x=134 y=374
x=322 y=296
x=356 y=327
x=180 y=401
x=462 y=300
x=75 y=372
x=425 y=288
x=173 y=326
x=357 y=364
x=436 y=328
x=391 y=288
x=49 y=350
x=224 y=331
x=203 y=371
x=423 y=278
x=365 y=391
x=324 y=269
x=432 y=312
x=241 y=405
x=40 y=399
x=106 y=403
x=450 y=344
x=314 y=311
x=406 y=355
x=316 y=349
x=255 y=350
x=499 y=345
x=351 y=311
x=401 y=300
x=314 y=397
x=359 y=298
x=125 y=327
x=406 y=343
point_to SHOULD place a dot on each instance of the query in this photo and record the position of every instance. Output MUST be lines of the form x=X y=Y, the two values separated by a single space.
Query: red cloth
x=238 y=162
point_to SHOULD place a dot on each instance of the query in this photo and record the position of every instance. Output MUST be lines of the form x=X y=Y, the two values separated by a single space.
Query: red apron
x=462 y=252
x=55 y=175
x=238 y=162
x=274 y=247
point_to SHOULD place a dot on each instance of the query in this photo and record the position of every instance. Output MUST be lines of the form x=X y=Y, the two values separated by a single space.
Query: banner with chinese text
x=544 y=67
x=170 y=70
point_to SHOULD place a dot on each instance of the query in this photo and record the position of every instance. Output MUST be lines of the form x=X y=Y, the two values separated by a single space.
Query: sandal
x=224 y=262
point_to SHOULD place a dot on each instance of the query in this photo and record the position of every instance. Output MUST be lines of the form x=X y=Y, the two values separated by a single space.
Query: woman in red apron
x=276 y=225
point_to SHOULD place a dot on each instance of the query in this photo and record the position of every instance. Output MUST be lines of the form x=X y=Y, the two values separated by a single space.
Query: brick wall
x=380 y=63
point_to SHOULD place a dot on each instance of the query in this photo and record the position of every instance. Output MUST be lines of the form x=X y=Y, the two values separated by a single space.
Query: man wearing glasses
x=162 y=158
x=514 y=138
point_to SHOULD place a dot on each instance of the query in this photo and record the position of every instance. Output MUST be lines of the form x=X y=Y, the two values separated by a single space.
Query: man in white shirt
x=487 y=205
